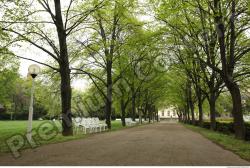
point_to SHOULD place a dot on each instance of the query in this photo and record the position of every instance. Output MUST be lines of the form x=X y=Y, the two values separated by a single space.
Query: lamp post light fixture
x=33 y=71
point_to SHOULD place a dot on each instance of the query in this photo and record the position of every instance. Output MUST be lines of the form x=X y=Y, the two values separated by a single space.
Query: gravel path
x=155 y=144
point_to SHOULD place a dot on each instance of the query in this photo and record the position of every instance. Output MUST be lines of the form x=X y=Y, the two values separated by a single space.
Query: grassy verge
x=45 y=132
x=239 y=147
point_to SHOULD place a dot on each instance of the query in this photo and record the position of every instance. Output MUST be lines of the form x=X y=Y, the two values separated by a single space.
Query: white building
x=168 y=113
x=246 y=118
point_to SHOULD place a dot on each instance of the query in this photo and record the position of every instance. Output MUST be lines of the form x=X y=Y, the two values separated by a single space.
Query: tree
x=9 y=66
x=110 y=25
x=230 y=53
x=27 y=24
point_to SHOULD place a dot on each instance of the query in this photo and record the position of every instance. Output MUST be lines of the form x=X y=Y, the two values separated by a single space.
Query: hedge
x=225 y=127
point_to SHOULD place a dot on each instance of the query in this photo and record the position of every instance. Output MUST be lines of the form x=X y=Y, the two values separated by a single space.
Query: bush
x=196 y=123
x=248 y=131
x=4 y=116
x=225 y=127
x=206 y=125
x=225 y=120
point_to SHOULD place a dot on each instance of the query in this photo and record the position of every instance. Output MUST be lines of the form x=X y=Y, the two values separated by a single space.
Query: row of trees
x=210 y=43
x=15 y=97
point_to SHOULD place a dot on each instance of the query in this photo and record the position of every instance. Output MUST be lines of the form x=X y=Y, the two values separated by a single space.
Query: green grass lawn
x=11 y=128
x=241 y=148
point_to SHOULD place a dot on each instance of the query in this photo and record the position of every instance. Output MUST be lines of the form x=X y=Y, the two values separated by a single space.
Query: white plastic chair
x=77 y=124
x=93 y=124
x=85 y=123
x=129 y=121
x=100 y=124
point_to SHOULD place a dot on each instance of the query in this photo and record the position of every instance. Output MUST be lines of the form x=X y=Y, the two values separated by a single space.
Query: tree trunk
x=133 y=103
x=157 y=115
x=140 y=115
x=64 y=72
x=188 y=116
x=192 y=112
x=212 y=101
x=213 y=95
x=239 y=126
x=152 y=113
x=181 y=116
x=200 y=112
x=149 y=113
x=109 y=93
x=145 y=114
x=191 y=104
x=187 y=110
x=200 y=102
x=123 y=112
x=185 y=115
x=145 y=111
x=66 y=100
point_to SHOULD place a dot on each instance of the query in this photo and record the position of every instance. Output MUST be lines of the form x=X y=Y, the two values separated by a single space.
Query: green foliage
x=175 y=88
x=15 y=96
x=8 y=80
x=88 y=104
